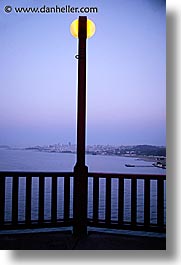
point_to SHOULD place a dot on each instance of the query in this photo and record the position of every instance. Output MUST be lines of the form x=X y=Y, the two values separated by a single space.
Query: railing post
x=66 y=198
x=108 y=200
x=2 y=199
x=15 y=200
x=80 y=201
x=133 y=201
x=160 y=202
x=147 y=202
x=80 y=170
x=28 y=199
x=41 y=199
x=121 y=201
x=54 y=200
x=95 y=199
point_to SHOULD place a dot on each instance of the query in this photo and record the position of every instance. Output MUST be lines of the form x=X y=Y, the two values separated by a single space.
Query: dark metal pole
x=81 y=119
x=80 y=169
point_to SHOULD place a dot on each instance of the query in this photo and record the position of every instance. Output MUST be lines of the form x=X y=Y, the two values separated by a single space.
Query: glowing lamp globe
x=74 y=28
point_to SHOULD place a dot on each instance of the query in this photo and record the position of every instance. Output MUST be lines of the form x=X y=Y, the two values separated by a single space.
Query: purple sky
x=126 y=83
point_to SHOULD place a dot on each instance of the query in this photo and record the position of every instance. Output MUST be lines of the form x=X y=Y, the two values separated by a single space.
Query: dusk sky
x=126 y=79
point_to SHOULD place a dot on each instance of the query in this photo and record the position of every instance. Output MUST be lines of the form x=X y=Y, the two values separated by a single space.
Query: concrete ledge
x=65 y=241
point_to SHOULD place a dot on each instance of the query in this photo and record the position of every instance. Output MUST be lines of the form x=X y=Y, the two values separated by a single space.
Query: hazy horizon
x=95 y=144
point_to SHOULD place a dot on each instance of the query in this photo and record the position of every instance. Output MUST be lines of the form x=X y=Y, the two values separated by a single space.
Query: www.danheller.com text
x=67 y=9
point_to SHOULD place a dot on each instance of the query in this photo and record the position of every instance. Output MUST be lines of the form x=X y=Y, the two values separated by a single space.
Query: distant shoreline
x=136 y=157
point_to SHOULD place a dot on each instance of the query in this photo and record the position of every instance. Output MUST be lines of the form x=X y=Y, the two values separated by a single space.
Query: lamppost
x=82 y=29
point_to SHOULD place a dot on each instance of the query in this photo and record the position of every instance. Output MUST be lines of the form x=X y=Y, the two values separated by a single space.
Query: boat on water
x=160 y=165
x=129 y=165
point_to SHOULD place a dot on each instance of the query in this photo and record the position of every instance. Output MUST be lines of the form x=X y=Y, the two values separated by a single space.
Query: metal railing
x=12 y=192
x=21 y=191
x=133 y=224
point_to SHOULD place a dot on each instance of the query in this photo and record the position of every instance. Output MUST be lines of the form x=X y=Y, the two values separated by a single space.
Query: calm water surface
x=22 y=160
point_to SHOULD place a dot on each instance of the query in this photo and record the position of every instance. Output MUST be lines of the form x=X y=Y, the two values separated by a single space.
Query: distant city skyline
x=126 y=77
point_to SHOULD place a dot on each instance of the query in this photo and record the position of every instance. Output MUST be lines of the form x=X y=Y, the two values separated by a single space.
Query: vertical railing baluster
x=54 y=200
x=160 y=202
x=121 y=201
x=41 y=198
x=95 y=199
x=2 y=199
x=147 y=202
x=66 y=198
x=108 y=200
x=133 y=201
x=28 y=199
x=15 y=200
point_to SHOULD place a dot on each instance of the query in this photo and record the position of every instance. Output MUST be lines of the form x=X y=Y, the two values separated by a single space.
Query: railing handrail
x=35 y=174
x=126 y=175
x=90 y=174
